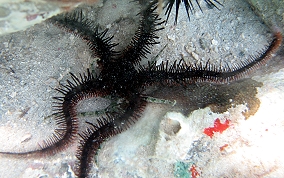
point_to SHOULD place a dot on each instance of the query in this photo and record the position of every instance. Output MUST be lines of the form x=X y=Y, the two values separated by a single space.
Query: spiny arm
x=75 y=23
x=145 y=36
x=179 y=72
x=105 y=128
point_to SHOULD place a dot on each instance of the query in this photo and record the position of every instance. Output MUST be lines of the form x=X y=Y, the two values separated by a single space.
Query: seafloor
x=168 y=140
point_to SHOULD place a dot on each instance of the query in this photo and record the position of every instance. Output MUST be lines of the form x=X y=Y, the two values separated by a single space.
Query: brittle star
x=121 y=76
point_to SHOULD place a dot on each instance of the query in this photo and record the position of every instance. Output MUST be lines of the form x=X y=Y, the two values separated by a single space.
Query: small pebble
x=13 y=94
x=195 y=56
x=189 y=48
x=171 y=37
x=26 y=137
x=215 y=42
x=4 y=12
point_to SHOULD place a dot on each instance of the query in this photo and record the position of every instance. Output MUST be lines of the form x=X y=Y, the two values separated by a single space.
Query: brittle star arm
x=180 y=72
x=98 y=42
x=145 y=36
x=83 y=87
x=105 y=128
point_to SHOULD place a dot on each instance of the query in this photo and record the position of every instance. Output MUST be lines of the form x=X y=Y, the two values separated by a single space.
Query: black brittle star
x=121 y=76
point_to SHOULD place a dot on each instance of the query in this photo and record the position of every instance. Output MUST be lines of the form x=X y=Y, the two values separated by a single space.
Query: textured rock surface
x=272 y=12
x=16 y=15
